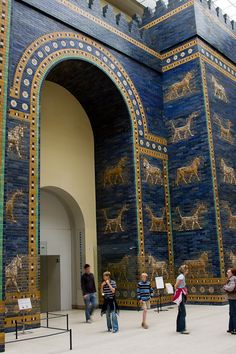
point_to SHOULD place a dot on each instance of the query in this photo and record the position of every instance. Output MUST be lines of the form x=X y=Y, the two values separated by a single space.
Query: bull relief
x=15 y=136
x=187 y=174
x=10 y=205
x=192 y=221
x=198 y=267
x=225 y=128
x=115 y=174
x=228 y=172
x=114 y=225
x=12 y=272
x=183 y=132
x=181 y=88
x=219 y=90
x=155 y=267
x=157 y=222
x=119 y=269
x=152 y=174
x=232 y=257
x=232 y=217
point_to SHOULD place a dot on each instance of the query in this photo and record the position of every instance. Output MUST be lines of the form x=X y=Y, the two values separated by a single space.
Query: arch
x=38 y=59
x=77 y=226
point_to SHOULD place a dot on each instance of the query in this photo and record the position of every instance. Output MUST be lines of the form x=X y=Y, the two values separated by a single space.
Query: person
x=144 y=294
x=230 y=289
x=89 y=292
x=180 y=298
x=109 y=307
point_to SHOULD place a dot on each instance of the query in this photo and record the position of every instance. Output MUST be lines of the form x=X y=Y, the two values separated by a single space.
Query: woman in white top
x=181 y=291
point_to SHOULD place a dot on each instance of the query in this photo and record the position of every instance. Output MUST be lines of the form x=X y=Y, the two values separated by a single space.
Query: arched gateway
x=107 y=93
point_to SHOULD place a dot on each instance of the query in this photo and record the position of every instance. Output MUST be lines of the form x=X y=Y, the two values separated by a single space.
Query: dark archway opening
x=114 y=164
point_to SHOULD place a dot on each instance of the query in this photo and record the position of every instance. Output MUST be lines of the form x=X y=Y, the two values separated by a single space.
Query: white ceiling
x=227 y=6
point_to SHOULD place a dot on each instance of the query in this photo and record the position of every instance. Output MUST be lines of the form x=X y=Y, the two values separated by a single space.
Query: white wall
x=67 y=162
x=55 y=229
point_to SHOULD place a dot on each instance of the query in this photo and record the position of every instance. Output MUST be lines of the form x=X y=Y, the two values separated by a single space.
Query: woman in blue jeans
x=109 y=307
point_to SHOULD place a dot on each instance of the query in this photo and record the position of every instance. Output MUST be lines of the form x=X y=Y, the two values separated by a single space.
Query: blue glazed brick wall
x=165 y=114
x=216 y=29
x=183 y=149
x=222 y=108
x=153 y=197
x=171 y=31
x=149 y=86
x=89 y=24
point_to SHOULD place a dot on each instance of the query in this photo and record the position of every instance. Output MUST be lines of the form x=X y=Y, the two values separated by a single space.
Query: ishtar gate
x=118 y=145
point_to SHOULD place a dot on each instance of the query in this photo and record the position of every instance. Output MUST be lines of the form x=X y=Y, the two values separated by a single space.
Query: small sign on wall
x=43 y=248
x=24 y=304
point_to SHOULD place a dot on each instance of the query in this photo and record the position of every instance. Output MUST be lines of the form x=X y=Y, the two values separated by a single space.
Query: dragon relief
x=114 y=224
x=183 y=132
x=191 y=222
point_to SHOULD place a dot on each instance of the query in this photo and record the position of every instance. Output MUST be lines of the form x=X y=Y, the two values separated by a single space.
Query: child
x=109 y=307
x=144 y=294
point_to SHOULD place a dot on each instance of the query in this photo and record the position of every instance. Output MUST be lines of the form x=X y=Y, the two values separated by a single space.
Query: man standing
x=89 y=292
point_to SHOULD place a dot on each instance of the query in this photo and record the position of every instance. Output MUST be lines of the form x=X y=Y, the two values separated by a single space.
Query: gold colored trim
x=168 y=219
x=217 y=67
x=108 y=27
x=206 y=281
x=153 y=153
x=217 y=55
x=179 y=49
x=2 y=338
x=168 y=15
x=213 y=169
x=13 y=113
x=180 y=62
x=207 y=298
x=29 y=319
x=156 y=139
x=15 y=296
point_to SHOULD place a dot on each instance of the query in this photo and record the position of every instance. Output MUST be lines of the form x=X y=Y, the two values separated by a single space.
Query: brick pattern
x=156 y=208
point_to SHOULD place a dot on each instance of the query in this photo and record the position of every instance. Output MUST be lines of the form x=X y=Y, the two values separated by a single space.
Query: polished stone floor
x=207 y=324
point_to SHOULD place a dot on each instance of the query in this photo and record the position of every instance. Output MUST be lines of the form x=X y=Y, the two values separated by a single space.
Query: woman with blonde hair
x=180 y=298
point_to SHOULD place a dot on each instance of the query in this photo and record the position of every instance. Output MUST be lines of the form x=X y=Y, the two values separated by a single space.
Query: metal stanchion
x=70 y=339
x=16 y=330
x=67 y=322
x=47 y=320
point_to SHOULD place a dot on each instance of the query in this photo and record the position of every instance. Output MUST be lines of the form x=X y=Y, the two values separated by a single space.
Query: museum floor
x=208 y=325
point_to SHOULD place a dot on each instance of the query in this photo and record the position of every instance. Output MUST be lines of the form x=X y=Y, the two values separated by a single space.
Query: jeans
x=90 y=304
x=181 y=326
x=112 y=322
x=232 y=315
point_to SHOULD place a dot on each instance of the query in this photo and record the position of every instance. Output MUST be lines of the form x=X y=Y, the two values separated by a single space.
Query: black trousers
x=180 y=323
x=232 y=315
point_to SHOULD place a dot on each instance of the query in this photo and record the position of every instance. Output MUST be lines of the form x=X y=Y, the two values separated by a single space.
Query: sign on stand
x=24 y=304
x=159 y=283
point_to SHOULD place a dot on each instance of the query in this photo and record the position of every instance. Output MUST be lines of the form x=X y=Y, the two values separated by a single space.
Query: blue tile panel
x=176 y=107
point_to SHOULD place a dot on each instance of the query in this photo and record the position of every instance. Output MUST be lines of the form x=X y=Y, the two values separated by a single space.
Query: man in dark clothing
x=89 y=292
